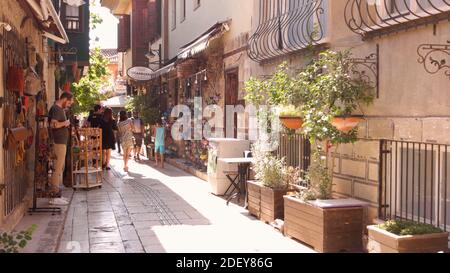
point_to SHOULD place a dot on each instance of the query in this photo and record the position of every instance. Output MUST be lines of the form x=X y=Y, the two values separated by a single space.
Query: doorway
x=232 y=98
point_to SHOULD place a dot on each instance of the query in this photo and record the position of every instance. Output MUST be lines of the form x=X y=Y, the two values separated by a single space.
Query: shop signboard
x=140 y=73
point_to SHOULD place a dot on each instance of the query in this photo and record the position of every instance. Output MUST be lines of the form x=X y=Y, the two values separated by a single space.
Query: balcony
x=371 y=18
x=287 y=26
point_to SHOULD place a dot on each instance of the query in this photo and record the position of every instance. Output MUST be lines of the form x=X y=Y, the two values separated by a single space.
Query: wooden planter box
x=381 y=241
x=265 y=203
x=325 y=229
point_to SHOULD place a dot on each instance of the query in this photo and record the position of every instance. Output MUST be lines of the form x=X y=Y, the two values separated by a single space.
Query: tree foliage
x=146 y=106
x=87 y=90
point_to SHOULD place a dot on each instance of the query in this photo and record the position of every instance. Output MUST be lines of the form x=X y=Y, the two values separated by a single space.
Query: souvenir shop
x=26 y=151
x=199 y=76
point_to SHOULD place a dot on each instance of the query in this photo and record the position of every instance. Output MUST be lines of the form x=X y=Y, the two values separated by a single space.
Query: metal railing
x=296 y=149
x=378 y=17
x=286 y=26
x=415 y=182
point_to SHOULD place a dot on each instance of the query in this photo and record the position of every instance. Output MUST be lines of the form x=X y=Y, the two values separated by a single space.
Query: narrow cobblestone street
x=153 y=210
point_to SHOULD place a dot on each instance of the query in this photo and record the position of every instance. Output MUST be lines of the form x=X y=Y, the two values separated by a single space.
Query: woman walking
x=108 y=126
x=126 y=137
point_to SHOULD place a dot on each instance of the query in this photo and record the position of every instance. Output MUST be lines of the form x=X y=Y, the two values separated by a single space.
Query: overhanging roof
x=48 y=19
x=201 y=43
x=164 y=70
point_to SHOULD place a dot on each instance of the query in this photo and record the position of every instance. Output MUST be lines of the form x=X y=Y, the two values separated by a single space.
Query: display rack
x=43 y=169
x=87 y=159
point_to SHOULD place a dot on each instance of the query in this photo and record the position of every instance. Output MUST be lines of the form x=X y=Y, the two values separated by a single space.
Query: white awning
x=202 y=42
x=116 y=102
x=164 y=70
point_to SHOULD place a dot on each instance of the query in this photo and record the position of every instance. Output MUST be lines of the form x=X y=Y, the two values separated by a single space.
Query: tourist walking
x=159 y=134
x=126 y=137
x=138 y=133
x=95 y=119
x=108 y=126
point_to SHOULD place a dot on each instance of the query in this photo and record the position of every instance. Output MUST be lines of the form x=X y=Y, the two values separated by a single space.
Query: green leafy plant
x=327 y=88
x=12 y=242
x=273 y=91
x=400 y=227
x=290 y=111
x=318 y=178
x=269 y=169
x=146 y=106
x=87 y=90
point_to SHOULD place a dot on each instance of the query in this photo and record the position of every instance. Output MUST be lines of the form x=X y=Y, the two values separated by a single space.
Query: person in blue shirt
x=159 y=134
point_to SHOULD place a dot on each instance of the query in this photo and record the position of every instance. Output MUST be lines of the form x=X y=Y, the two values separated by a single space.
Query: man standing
x=59 y=124
x=138 y=133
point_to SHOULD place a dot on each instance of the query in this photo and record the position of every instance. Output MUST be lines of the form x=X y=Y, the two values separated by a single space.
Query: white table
x=243 y=173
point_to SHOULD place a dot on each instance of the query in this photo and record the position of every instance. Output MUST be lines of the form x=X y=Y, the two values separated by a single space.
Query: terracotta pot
x=292 y=122
x=346 y=124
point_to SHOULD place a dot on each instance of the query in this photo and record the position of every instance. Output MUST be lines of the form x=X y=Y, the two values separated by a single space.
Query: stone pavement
x=48 y=227
x=157 y=211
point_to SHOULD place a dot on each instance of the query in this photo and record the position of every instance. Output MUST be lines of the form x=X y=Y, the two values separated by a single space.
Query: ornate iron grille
x=378 y=17
x=286 y=26
x=435 y=57
x=14 y=53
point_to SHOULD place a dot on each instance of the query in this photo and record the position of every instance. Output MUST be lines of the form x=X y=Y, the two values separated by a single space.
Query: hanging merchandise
x=66 y=87
x=30 y=139
x=40 y=111
x=15 y=79
x=15 y=136
x=26 y=103
x=20 y=154
x=33 y=83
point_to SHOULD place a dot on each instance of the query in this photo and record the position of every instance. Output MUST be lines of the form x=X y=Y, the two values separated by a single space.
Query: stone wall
x=12 y=13
x=412 y=104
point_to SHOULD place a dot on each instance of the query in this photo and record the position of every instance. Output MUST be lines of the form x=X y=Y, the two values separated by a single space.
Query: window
x=174 y=14
x=183 y=10
x=196 y=4
x=73 y=18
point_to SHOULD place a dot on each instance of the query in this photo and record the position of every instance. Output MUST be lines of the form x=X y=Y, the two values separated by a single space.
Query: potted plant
x=313 y=217
x=272 y=93
x=397 y=236
x=326 y=91
x=265 y=195
x=291 y=117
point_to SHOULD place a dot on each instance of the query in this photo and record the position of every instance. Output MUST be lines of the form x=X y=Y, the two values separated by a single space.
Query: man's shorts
x=160 y=149
x=138 y=140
